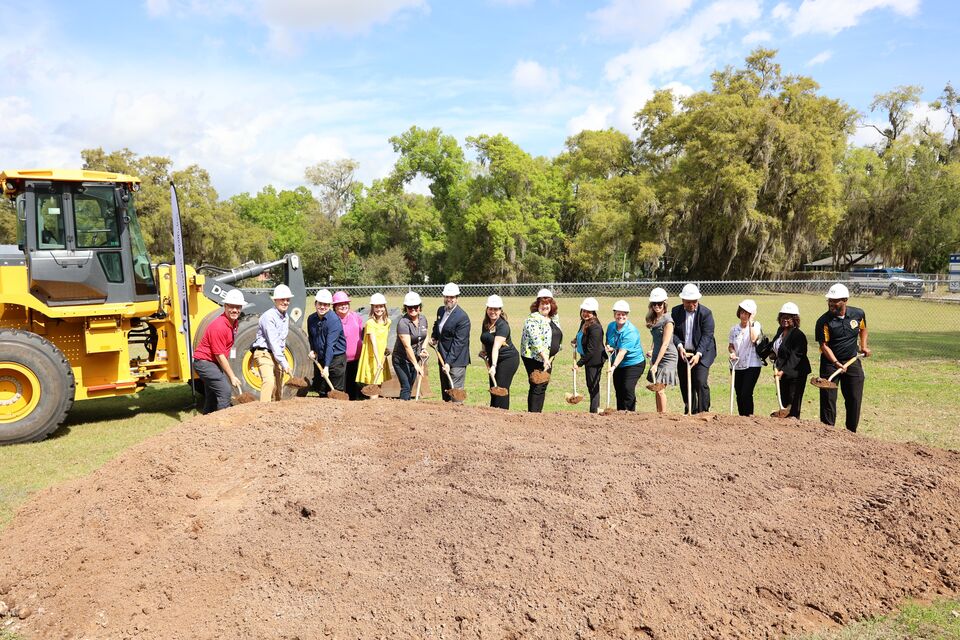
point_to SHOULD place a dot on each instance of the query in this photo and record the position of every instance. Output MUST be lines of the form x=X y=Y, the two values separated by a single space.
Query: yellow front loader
x=84 y=314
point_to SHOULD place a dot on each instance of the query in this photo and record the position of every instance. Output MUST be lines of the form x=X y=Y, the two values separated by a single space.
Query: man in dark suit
x=451 y=337
x=693 y=335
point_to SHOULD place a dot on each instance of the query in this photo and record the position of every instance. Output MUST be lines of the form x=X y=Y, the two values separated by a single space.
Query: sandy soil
x=321 y=519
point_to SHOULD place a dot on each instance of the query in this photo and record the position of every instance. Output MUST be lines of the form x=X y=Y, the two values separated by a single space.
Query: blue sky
x=256 y=90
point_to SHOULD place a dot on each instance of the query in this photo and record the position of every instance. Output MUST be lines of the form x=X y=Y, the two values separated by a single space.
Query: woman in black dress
x=792 y=363
x=498 y=351
x=589 y=345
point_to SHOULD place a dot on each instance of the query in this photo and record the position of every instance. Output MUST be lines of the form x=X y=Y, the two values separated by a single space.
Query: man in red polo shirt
x=210 y=359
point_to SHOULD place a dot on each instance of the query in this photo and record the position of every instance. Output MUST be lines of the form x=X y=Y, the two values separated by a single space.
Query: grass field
x=910 y=395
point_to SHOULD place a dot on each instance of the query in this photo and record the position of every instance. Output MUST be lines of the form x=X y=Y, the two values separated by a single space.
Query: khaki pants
x=270 y=375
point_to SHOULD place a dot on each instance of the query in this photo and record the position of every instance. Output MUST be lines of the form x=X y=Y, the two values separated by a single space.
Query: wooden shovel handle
x=845 y=364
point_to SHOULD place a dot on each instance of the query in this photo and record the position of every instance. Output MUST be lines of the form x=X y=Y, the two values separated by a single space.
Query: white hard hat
x=282 y=292
x=749 y=306
x=690 y=291
x=377 y=298
x=235 y=297
x=659 y=294
x=838 y=292
x=590 y=304
x=412 y=299
x=621 y=305
x=451 y=289
x=544 y=293
x=495 y=302
x=323 y=296
x=790 y=309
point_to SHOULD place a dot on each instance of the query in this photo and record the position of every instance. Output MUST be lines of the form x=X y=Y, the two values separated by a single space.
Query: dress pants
x=744 y=382
x=625 y=385
x=459 y=375
x=593 y=376
x=271 y=375
x=506 y=369
x=791 y=391
x=851 y=386
x=216 y=386
x=538 y=392
x=699 y=386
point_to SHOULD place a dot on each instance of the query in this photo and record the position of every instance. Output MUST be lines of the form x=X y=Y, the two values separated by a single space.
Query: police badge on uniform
x=853 y=324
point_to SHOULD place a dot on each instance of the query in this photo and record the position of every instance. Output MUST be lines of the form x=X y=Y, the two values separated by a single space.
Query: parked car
x=895 y=282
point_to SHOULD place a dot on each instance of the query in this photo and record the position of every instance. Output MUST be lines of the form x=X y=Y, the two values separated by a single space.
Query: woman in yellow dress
x=373 y=368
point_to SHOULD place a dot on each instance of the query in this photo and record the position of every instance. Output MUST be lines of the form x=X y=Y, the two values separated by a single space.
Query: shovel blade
x=781 y=413
x=370 y=390
x=540 y=377
x=571 y=399
x=298 y=382
x=823 y=383
x=457 y=394
x=657 y=386
x=499 y=391
x=244 y=398
x=338 y=395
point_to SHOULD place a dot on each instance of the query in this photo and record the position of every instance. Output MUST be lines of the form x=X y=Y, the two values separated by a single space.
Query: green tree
x=896 y=104
x=336 y=180
x=8 y=221
x=284 y=214
x=613 y=223
x=746 y=170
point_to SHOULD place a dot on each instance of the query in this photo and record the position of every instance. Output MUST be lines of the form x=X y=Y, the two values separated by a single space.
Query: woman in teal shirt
x=626 y=356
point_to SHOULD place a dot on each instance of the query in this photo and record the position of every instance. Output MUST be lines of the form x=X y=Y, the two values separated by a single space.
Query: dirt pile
x=322 y=519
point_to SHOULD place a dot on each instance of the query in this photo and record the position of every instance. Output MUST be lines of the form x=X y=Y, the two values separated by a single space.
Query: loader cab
x=81 y=238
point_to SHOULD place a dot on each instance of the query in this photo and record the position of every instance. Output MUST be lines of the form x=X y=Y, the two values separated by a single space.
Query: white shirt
x=688 y=331
x=744 y=348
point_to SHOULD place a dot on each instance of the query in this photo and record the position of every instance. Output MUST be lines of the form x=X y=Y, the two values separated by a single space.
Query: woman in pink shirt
x=353 y=331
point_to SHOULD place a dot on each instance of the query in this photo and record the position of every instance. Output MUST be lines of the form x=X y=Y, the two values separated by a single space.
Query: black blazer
x=792 y=355
x=703 y=327
x=594 y=355
x=453 y=342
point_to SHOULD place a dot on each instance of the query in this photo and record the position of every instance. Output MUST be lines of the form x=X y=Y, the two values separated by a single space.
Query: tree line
x=749 y=179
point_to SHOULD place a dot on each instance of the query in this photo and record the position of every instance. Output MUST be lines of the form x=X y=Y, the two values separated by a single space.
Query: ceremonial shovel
x=656 y=387
x=242 y=397
x=607 y=410
x=495 y=390
x=333 y=394
x=689 y=387
x=542 y=377
x=782 y=412
x=456 y=394
x=373 y=390
x=828 y=383
x=575 y=397
x=423 y=362
x=733 y=377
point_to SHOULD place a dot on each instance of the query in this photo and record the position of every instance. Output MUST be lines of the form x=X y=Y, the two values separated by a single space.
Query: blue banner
x=181 y=267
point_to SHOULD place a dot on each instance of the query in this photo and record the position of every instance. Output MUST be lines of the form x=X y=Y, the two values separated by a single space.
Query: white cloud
x=157 y=7
x=832 y=16
x=594 y=118
x=529 y=75
x=782 y=11
x=636 y=72
x=820 y=58
x=756 y=37
x=637 y=19
x=317 y=15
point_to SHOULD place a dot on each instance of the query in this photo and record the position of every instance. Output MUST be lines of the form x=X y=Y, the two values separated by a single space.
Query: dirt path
x=320 y=519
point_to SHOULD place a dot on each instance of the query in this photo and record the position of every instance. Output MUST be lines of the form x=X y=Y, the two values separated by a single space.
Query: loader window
x=142 y=269
x=50 y=221
x=21 y=221
x=95 y=216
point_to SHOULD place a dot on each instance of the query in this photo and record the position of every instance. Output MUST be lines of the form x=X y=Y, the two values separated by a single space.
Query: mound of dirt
x=323 y=519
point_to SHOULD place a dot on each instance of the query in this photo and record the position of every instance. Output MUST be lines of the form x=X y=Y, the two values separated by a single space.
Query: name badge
x=233 y=353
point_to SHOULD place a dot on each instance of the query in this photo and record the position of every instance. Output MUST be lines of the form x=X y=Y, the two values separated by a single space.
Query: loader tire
x=36 y=387
x=297 y=353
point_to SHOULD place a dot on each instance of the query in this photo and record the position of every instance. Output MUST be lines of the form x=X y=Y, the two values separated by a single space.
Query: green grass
x=936 y=621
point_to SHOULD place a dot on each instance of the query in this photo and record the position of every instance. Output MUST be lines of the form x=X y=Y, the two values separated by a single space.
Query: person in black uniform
x=792 y=363
x=693 y=336
x=842 y=333
x=589 y=346
x=501 y=356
